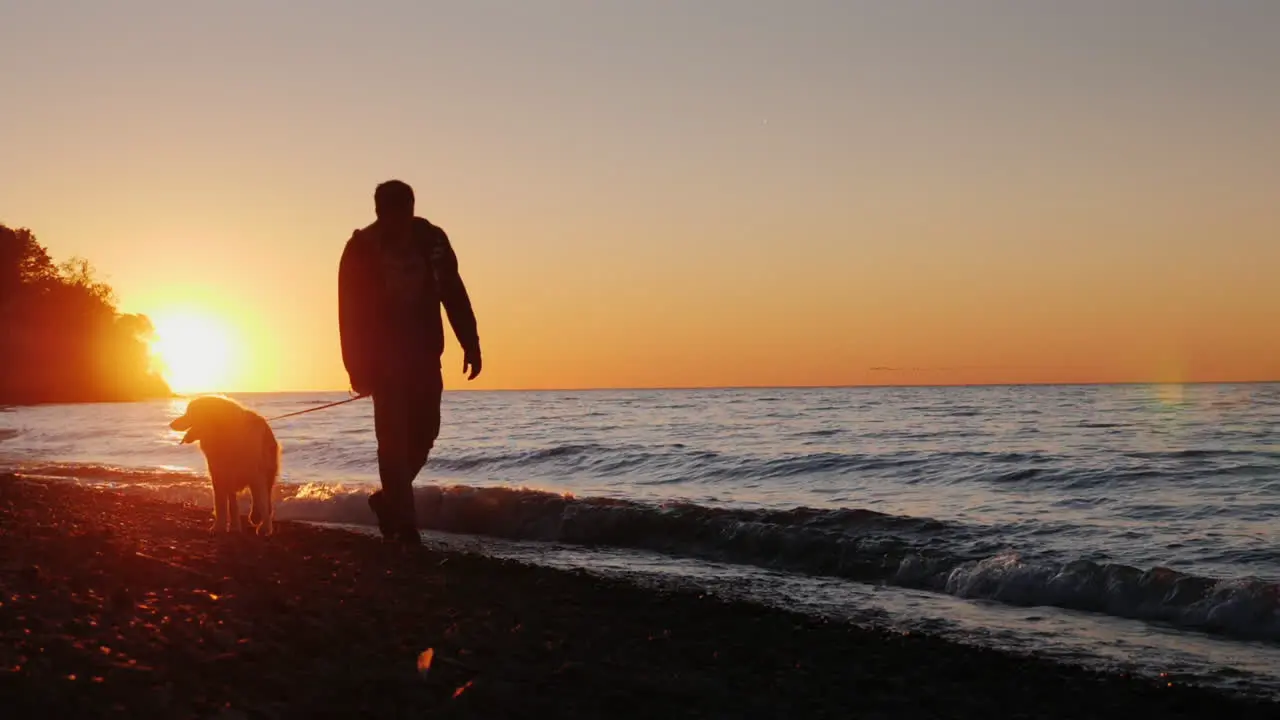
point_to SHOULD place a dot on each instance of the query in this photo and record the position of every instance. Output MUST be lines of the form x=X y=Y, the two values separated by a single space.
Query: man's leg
x=425 y=425
x=391 y=424
x=423 y=428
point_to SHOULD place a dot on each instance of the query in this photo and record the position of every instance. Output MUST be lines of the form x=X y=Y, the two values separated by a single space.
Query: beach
x=125 y=606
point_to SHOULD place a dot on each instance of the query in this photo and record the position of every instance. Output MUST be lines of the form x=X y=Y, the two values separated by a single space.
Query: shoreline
x=115 y=605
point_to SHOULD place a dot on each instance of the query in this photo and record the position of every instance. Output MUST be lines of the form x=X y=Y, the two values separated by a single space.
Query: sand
x=116 y=605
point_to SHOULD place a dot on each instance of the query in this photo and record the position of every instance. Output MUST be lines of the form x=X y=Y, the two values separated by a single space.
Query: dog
x=241 y=452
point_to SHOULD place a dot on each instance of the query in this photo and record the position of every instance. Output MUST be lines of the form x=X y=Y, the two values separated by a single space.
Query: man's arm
x=354 y=318
x=453 y=294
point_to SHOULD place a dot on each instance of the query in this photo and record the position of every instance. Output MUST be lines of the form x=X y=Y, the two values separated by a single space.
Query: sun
x=193 y=351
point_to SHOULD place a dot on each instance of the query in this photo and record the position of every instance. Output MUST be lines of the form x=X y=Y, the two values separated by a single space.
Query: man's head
x=393 y=200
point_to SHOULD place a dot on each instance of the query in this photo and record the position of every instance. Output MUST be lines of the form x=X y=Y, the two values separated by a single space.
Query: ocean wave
x=821 y=433
x=677 y=462
x=854 y=544
x=688 y=464
x=962 y=560
x=1194 y=453
x=113 y=474
x=863 y=545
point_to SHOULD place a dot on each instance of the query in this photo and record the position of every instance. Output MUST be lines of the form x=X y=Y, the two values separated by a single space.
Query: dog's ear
x=190 y=437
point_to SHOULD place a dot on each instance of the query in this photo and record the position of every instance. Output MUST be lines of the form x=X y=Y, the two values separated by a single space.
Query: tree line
x=62 y=338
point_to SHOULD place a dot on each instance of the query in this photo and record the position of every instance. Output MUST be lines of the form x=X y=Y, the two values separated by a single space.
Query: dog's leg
x=260 y=513
x=219 y=510
x=233 y=511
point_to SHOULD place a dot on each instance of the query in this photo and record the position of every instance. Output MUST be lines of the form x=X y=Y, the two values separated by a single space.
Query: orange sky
x=661 y=194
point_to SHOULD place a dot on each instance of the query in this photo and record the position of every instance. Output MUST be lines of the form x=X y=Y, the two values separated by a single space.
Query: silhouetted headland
x=62 y=339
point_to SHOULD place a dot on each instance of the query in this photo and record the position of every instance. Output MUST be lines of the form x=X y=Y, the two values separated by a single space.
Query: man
x=392 y=279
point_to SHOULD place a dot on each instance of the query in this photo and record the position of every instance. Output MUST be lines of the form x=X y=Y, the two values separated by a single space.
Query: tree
x=23 y=262
x=61 y=337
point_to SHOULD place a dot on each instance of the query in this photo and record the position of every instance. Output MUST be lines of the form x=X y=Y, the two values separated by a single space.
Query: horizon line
x=870 y=386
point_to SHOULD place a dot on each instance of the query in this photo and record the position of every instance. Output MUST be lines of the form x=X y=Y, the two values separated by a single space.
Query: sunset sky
x=661 y=193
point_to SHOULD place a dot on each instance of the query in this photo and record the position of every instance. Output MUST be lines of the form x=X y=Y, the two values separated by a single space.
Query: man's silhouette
x=392 y=279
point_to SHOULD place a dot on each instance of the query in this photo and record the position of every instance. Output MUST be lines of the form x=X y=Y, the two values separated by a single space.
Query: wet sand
x=126 y=607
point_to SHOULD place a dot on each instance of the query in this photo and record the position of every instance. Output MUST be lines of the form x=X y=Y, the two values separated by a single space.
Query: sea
x=1127 y=528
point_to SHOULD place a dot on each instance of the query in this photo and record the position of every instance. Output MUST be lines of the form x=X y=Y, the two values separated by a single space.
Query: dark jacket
x=378 y=321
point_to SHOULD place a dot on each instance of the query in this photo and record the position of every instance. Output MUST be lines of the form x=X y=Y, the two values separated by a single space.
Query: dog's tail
x=270 y=459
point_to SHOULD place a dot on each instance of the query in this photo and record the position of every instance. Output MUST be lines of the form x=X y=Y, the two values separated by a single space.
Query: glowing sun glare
x=193 y=351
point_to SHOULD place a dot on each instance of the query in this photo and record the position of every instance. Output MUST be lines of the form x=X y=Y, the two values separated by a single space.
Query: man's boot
x=382 y=502
x=403 y=518
x=378 y=504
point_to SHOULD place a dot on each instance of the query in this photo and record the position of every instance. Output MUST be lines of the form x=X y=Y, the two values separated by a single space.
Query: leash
x=317 y=408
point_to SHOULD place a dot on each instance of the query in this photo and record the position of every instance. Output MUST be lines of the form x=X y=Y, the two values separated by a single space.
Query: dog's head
x=203 y=415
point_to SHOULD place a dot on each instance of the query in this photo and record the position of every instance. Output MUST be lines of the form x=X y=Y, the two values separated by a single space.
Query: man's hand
x=471 y=362
x=361 y=385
